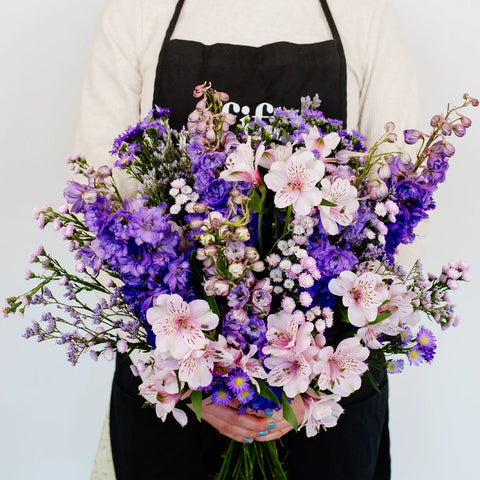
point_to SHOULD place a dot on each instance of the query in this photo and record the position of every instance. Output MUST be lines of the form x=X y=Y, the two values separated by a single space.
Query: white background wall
x=51 y=413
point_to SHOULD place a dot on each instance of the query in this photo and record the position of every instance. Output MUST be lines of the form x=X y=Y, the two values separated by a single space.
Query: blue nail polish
x=247 y=440
x=263 y=433
x=268 y=413
x=271 y=425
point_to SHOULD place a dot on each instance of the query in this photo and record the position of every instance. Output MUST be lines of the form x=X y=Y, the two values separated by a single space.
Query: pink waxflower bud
x=466 y=276
x=452 y=284
x=63 y=208
x=56 y=225
x=80 y=267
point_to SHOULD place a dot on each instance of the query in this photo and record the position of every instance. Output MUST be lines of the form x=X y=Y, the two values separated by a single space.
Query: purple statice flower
x=395 y=366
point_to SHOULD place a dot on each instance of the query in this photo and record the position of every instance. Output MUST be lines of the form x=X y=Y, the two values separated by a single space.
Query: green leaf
x=326 y=203
x=196 y=398
x=213 y=305
x=222 y=267
x=381 y=317
x=368 y=375
x=344 y=315
x=288 y=413
x=266 y=392
x=255 y=203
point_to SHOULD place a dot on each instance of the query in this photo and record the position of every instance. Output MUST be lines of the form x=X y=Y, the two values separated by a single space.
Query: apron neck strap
x=343 y=61
x=171 y=27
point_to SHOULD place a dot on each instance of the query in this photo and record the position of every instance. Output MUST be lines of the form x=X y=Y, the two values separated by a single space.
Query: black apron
x=256 y=79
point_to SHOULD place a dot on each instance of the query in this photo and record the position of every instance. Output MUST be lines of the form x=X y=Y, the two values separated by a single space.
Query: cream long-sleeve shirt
x=120 y=72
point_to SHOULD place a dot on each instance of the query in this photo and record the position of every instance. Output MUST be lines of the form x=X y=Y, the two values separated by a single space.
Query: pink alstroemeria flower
x=321 y=410
x=361 y=294
x=242 y=164
x=178 y=325
x=344 y=196
x=323 y=145
x=295 y=181
x=341 y=370
x=161 y=389
x=291 y=353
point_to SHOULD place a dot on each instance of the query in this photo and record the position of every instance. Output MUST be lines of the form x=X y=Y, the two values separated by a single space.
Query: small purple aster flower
x=221 y=396
x=245 y=396
x=415 y=356
x=238 y=382
x=395 y=366
x=405 y=335
x=426 y=343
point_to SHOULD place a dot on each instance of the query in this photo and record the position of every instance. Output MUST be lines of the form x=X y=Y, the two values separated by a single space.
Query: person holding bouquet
x=264 y=54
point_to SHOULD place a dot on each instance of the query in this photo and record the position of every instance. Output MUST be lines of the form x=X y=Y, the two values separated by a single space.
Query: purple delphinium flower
x=238 y=296
x=333 y=260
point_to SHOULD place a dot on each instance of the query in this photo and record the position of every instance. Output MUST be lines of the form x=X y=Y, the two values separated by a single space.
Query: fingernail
x=268 y=413
x=247 y=440
x=263 y=433
x=271 y=425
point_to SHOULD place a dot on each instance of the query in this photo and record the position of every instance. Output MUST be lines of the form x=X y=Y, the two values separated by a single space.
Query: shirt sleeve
x=389 y=90
x=112 y=83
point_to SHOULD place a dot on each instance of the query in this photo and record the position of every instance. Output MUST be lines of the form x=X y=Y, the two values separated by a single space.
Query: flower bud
x=258 y=266
x=447 y=128
x=251 y=254
x=242 y=234
x=412 y=136
x=196 y=224
x=236 y=270
x=459 y=130
x=384 y=172
x=206 y=238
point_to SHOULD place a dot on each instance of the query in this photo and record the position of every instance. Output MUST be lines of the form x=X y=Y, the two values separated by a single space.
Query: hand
x=249 y=426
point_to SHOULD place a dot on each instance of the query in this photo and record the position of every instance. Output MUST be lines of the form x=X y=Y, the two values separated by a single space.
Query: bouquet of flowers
x=255 y=265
